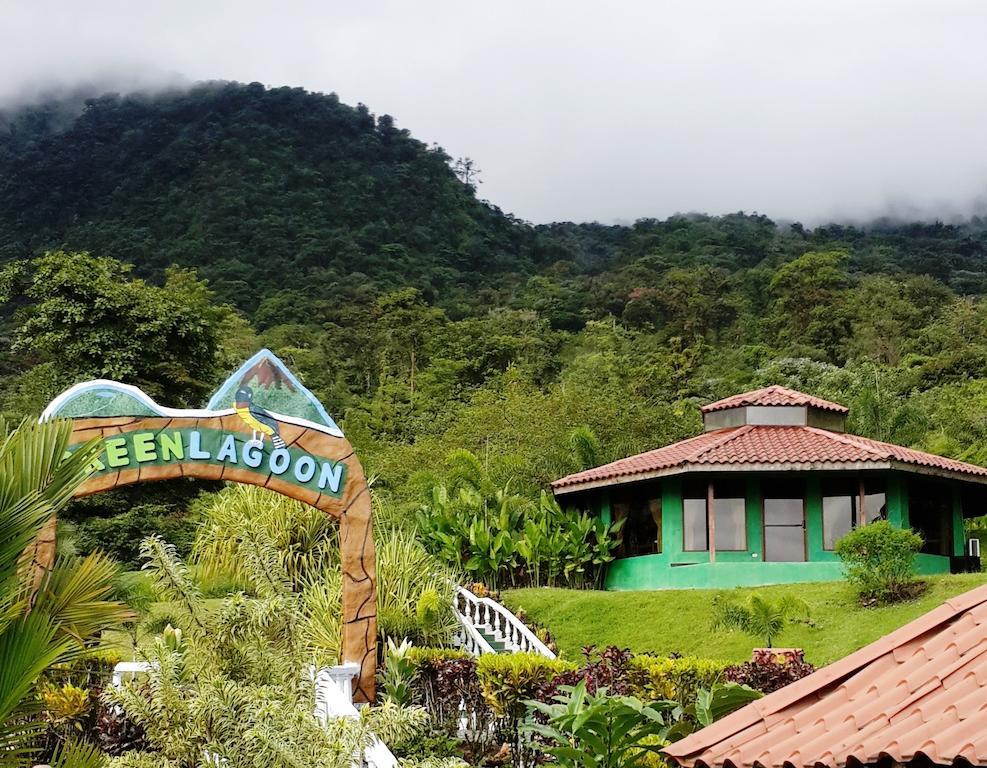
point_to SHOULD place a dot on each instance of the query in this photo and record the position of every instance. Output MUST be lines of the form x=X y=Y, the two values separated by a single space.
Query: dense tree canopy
x=427 y=319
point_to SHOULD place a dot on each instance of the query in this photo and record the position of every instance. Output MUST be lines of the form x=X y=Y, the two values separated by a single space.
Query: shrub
x=508 y=681
x=120 y=536
x=599 y=729
x=608 y=669
x=423 y=655
x=758 y=616
x=656 y=678
x=116 y=733
x=397 y=673
x=769 y=671
x=877 y=560
x=446 y=679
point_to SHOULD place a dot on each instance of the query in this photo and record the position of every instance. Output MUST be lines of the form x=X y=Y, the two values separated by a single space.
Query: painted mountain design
x=102 y=398
x=271 y=389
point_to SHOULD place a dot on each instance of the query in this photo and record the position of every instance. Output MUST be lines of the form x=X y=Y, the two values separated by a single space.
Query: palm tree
x=48 y=615
x=758 y=615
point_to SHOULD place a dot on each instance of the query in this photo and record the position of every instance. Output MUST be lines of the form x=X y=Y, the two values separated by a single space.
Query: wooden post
x=711 y=521
x=861 y=517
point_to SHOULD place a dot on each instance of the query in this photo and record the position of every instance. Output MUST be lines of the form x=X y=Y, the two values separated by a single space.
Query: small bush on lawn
x=770 y=670
x=657 y=678
x=877 y=560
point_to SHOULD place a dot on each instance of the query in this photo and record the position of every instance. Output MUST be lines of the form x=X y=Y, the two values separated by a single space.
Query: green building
x=762 y=496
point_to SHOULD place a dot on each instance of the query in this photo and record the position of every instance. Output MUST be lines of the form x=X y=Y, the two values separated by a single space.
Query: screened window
x=839 y=511
x=695 y=533
x=849 y=503
x=875 y=501
x=729 y=509
x=784 y=522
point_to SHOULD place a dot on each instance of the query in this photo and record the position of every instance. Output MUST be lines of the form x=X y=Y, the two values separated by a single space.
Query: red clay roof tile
x=920 y=691
x=773 y=395
x=785 y=446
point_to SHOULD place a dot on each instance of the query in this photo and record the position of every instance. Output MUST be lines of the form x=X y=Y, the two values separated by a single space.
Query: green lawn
x=680 y=620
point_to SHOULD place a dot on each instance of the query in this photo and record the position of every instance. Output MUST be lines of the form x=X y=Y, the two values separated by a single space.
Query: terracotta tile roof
x=788 y=447
x=773 y=395
x=917 y=693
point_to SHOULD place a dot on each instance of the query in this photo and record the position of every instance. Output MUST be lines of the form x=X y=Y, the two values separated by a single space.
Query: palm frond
x=78 y=754
x=77 y=593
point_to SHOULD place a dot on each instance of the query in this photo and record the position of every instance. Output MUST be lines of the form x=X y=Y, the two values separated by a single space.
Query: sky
x=609 y=111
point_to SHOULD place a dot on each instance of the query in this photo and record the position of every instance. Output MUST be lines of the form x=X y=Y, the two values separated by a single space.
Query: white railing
x=477 y=613
x=469 y=638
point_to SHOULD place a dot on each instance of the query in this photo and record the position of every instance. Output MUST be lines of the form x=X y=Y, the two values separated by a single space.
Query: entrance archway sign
x=261 y=427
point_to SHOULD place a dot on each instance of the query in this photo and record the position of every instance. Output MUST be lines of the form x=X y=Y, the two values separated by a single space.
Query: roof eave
x=807 y=466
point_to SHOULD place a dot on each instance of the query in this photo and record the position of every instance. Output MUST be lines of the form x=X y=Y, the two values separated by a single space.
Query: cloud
x=585 y=110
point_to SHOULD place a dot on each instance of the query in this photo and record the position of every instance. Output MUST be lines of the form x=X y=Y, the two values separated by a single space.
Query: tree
x=466 y=170
x=807 y=298
x=759 y=616
x=586 y=450
x=86 y=317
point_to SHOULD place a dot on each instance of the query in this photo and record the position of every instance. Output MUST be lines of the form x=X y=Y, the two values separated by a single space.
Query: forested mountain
x=429 y=320
x=261 y=190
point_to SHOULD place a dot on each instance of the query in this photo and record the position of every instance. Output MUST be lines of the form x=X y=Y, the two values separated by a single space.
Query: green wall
x=674 y=568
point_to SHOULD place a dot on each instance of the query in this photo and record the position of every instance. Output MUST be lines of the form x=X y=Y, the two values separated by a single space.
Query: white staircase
x=488 y=627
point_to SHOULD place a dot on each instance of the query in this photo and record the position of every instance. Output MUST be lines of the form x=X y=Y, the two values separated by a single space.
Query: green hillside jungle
x=161 y=239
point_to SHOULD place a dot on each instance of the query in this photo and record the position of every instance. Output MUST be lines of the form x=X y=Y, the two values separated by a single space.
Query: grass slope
x=679 y=620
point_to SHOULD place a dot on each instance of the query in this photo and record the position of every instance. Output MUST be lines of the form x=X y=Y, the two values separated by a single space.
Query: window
x=642 y=531
x=784 y=522
x=930 y=512
x=654 y=509
x=695 y=535
x=730 y=512
x=641 y=534
x=839 y=511
x=875 y=501
x=849 y=503
x=620 y=511
x=729 y=508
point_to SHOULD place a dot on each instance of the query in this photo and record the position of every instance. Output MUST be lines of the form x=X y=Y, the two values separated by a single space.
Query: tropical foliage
x=253 y=538
x=581 y=729
x=758 y=615
x=499 y=537
x=231 y=684
x=47 y=615
x=599 y=729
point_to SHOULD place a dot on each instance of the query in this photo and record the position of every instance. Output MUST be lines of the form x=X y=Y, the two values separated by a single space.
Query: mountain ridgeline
x=260 y=190
x=429 y=320
x=275 y=193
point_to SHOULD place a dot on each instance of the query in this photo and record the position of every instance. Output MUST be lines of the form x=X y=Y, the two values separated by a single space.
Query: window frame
x=859 y=504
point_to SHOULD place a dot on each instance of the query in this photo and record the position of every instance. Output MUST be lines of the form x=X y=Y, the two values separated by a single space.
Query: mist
x=809 y=111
